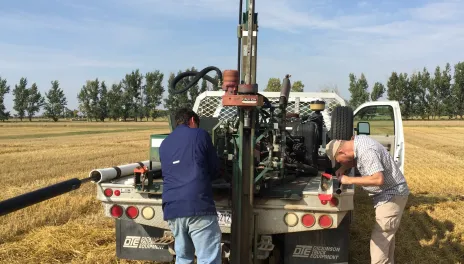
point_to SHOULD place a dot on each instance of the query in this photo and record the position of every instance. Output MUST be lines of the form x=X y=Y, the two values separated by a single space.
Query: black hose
x=198 y=76
x=267 y=103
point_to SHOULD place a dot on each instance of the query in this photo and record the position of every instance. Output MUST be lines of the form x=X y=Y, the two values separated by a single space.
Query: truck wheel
x=342 y=123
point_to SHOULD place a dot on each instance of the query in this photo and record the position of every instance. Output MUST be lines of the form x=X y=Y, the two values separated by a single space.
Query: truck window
x=381 y=124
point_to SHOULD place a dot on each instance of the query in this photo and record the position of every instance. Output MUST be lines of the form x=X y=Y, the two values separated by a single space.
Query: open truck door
x=382 y=121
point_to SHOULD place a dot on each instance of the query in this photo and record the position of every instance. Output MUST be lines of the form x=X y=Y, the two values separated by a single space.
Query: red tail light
x=325 y=221
x=308 y=220
x=117 y=192
x=108 y=192
x=116 y=211
x=334 y=201
x=132 y=212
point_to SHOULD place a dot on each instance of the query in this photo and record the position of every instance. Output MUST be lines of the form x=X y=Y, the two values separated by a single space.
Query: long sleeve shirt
x=189 y=163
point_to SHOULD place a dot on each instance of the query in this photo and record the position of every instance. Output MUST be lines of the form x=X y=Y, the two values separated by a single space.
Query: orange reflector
x=116 y=211
x=132 y=212
x=308 y=220
x=325 y=221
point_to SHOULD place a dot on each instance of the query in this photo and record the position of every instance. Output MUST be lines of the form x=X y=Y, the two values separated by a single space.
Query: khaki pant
x=388 y=218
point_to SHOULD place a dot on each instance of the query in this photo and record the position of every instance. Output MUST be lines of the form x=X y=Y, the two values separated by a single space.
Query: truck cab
x=303 y=219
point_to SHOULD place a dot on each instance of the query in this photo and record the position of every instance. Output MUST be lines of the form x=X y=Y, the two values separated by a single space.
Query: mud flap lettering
x=140 y=242
x=316 y=252
x=143 y=242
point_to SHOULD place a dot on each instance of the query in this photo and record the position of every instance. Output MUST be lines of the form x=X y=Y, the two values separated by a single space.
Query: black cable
x=198 y=76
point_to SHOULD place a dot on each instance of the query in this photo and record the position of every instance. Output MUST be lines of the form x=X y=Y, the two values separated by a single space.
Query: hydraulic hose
x=198 y=76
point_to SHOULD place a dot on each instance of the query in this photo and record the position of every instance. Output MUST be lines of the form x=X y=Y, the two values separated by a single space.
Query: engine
x=286 y=144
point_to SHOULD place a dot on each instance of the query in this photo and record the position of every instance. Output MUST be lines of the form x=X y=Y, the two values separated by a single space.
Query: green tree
x=402 y=89
x=444 y=93
x=133 y=90
x=153 y=92
x=424 y=86
x=273 y=85
x=175 y=101
x=434 y=94
x=34 y=101
x=392 y=87
x=377 y=91
x=89 y=101
x=458 y=89
x=20 y=98
x=410 y=100
x=359 y=90
x=56 y=101
x=298 y=86
x=83 y=99
x=4 y=89
x=103 y=101
x=169 y=102
x=92 y=90
x=115 y=101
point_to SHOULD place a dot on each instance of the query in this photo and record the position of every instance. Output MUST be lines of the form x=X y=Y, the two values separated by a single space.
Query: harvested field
x=71 y=228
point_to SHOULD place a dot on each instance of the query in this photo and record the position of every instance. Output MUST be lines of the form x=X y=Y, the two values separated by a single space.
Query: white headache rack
x=208 y=104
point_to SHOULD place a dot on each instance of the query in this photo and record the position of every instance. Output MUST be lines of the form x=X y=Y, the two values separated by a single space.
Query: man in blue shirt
x=190 y=163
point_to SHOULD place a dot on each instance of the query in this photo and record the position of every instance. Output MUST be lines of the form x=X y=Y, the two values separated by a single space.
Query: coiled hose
x=203 y=74
x=198 y=76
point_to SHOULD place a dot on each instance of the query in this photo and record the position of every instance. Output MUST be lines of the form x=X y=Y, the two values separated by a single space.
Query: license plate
x=225 y=218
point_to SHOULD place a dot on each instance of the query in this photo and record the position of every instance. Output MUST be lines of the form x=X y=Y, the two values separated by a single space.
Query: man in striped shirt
x=382 y=178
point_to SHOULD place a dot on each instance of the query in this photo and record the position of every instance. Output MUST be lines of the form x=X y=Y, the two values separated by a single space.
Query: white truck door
x=382 y=121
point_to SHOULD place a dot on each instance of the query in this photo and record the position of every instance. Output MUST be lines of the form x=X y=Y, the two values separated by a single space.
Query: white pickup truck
x=303 y=221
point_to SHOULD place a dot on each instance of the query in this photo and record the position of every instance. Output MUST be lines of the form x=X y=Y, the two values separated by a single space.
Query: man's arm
x=372 y=164
x=210 y=154
x=375 y=179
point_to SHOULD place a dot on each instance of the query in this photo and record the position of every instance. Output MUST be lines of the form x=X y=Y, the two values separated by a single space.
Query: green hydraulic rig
x=241 y=92
x=243 y=235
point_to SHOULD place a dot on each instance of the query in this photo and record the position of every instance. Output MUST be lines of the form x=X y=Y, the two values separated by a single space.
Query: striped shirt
x=372 y=157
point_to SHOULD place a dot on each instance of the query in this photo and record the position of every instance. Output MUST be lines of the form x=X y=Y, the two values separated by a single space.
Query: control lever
x=339 y=186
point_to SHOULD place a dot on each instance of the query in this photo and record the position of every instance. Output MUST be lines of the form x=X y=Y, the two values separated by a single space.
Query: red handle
x=327 y=175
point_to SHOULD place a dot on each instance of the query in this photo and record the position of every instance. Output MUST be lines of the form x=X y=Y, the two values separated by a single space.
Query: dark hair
x=183 y=116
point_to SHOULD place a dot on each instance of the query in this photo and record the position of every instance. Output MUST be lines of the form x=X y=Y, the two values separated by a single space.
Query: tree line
x=29 y=101
x=421 y=94
x=138 y=96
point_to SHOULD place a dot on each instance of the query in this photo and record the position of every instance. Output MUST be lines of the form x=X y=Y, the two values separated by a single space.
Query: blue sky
x=317 y=41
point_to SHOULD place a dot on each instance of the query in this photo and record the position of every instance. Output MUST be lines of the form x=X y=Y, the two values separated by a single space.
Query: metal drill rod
x=250 y=27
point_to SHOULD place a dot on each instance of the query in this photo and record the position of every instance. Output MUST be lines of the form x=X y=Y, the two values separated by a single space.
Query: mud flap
x=140 y=242
x=318 y=247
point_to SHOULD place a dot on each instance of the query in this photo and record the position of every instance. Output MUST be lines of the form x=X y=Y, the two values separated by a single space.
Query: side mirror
x=363 y=128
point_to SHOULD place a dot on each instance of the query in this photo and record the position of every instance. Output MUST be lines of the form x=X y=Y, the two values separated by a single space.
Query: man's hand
x=344 y=179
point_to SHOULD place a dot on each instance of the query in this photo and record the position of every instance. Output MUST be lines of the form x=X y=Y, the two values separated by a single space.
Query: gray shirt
x=372 y=157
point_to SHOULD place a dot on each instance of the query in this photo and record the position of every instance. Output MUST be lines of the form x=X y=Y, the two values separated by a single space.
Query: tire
x=342 y=123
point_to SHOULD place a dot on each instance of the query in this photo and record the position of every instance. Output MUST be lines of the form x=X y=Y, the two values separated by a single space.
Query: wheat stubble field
x=71 y=228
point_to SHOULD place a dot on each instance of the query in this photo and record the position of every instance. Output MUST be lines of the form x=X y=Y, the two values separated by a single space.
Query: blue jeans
x=198 y=235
